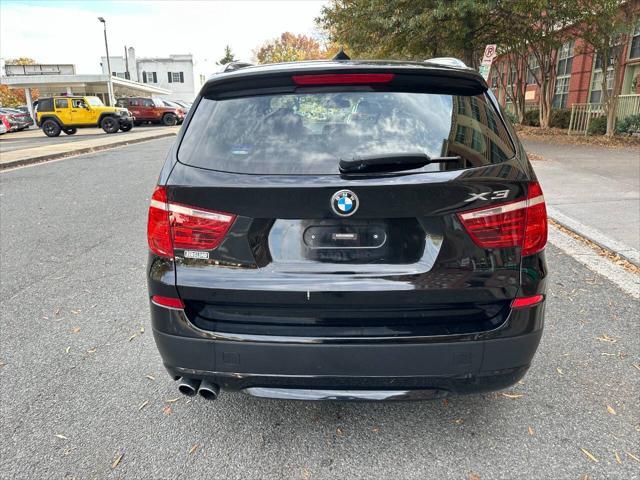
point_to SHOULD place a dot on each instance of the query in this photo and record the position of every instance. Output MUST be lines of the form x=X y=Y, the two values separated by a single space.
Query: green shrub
x=512 y=118
x=560 y=118
x=630 y=124
x=598 y=126
x=532 y=118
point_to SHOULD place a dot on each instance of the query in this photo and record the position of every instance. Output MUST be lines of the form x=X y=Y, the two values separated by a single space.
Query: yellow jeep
x=67 y=114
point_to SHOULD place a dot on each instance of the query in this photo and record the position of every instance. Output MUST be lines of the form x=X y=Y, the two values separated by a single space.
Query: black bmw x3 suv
x=357 y=230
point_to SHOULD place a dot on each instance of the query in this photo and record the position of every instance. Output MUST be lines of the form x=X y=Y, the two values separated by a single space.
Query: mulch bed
x=558 y=135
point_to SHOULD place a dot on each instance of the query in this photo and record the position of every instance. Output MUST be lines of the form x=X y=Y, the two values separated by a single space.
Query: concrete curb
x=593 y=235
x=80 y=151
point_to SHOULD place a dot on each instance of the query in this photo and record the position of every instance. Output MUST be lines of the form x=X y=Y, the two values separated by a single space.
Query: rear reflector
x=343 y=78
x=173 y=225
x=521 y=223
x=526 y=301
x=169 y=302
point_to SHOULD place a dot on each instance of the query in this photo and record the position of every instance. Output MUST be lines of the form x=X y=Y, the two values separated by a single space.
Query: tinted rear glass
x=309 y=133
x=45 y=105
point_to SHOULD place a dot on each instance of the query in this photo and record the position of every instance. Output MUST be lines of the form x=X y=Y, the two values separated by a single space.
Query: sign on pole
x=487 y=60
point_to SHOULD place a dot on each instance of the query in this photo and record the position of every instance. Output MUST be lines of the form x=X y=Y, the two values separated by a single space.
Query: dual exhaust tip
x=206 y=389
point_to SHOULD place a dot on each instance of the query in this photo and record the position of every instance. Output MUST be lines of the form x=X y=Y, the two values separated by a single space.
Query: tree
x=606 y=26
x=411 y=29
x=290 y=48
x=21 y=61
x=544 y=25
x=228 y=56
x=15 y=97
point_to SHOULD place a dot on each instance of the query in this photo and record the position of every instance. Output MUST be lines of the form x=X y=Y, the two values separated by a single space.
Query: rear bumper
x=423 y=367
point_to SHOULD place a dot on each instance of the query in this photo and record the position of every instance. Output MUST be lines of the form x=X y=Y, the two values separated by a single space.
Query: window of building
x=532 y=70
x=634 y=51
x=563 y=75
x=596 y=85
x=175 y=77
x=62 y=103
x=149 y=77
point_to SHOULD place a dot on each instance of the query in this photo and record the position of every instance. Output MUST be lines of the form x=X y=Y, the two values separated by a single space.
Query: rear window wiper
x=392 y=162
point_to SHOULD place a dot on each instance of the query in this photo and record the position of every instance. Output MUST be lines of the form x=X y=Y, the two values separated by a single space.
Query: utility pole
x=106 y=46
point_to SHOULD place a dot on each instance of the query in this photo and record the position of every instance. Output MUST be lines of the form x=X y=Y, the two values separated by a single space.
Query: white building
x=176 y=73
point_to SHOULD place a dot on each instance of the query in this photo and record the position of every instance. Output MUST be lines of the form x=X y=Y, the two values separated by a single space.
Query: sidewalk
x=33 y=146
x=594 y=191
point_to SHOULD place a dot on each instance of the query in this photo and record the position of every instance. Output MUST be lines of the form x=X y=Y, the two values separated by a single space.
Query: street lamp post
x=106 y=46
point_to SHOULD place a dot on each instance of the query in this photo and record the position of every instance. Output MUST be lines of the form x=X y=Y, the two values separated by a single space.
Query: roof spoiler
x=447 y=62
x=233 y=66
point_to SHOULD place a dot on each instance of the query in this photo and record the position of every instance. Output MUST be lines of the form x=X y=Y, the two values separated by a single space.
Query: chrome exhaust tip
x=208 y=390
x=188 y=386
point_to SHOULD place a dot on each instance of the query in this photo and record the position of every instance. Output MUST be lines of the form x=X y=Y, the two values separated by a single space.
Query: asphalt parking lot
x=33 y=137
x=84 y=393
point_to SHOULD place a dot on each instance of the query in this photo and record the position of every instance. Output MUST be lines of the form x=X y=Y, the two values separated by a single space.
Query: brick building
x=578 y=74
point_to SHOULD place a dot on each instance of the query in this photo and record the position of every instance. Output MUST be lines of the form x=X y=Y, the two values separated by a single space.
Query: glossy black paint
x=424 y=311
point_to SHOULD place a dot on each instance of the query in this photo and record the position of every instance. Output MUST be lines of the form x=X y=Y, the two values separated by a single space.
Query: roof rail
x=447 y=62
x=232 y=66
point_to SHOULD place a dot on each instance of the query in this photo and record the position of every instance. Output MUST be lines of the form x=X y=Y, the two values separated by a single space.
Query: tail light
x=173 y=225
x=515 y=224
x=342 y=78
x=525 y=302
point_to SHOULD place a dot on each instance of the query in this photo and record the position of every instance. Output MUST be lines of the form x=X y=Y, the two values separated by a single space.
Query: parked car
x=152 y=110
x=185 y=105
x=331 y=230
x=176 y=105
x=18 y=120
x=67 y=114
x=4 y=125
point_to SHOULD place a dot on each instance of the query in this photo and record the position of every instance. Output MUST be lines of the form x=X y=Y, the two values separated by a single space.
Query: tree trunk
x=610 y=109
x=545 y=103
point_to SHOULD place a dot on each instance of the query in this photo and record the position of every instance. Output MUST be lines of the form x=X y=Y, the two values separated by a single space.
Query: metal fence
x=583 y=113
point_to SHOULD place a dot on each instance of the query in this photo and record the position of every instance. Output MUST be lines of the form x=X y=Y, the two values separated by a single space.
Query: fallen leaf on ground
x=637 y=365
x=141 y=329
x=445 y=402
x=167 y=410
x=57 y=312
x=589 y=455
x=67 y=350
x=375 y=429
x=559 y=370
x=532 y=432
x=459 y=421
x=76 y=312
x=306 y=474
x=173 y=400
x=61 y=436
x=193 y=448
x=611 y=410
x=339 y=432
x=75 y=329
x=117 y=461
x=474 y=476
x=143 y=404
x=133 y=336
x=633 y=456
x=606 y=338
x=150 y=377
x=92 y=350
x=512 y=395
x=618 y=458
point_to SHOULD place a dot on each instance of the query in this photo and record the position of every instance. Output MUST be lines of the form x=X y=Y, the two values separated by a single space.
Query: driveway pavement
x=84 y=394
x=595 y=190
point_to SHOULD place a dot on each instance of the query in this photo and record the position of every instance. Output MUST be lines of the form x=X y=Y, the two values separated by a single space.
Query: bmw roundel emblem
x=344 y=203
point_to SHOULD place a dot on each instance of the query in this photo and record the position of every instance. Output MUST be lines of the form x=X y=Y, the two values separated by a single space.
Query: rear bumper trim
x=344 y=395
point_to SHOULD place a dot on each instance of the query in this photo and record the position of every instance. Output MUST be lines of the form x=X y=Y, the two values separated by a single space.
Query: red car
x=152 y=110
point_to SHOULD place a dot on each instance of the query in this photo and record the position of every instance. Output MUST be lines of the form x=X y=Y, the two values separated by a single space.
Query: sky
x=69 y=31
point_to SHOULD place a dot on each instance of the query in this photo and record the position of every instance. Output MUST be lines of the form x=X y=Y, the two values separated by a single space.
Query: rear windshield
x=309 y=133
